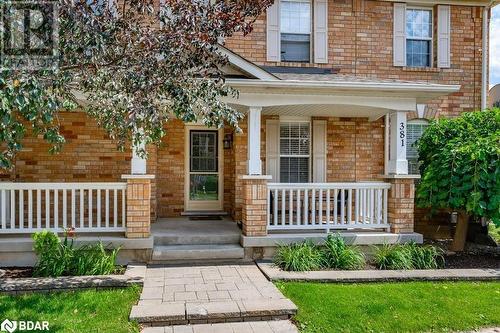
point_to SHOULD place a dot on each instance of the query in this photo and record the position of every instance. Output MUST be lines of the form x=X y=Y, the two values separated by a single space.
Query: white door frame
x=197 y=205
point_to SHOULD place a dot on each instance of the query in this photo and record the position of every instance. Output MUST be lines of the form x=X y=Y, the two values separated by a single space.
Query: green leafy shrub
x=408 y=256
x=391 y=256
x=56 y=258
x=460 y=165
x=337 y=255
x=298 y=257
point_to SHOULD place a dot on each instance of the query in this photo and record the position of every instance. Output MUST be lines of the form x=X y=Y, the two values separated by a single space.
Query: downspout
x=484 y=65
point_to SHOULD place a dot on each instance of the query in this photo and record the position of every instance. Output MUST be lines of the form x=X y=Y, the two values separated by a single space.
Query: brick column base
x=138 y=205
x=254 y=208
x=401 y=203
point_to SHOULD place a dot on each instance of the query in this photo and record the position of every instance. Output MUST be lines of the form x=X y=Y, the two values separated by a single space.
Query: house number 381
x=402 y=133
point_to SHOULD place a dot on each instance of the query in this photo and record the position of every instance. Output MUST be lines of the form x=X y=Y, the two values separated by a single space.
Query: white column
x=398 y=164
x=254 y=164
x=138 y=164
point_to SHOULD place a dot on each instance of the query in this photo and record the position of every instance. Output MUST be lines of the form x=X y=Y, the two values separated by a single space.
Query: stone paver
x=275 y=274
x=277 y=326
x=208 y=294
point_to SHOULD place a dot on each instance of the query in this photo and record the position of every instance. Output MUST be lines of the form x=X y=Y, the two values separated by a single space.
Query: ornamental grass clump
x=298 y=257
x=408 y=256
x=56 y=258
x=338 y=255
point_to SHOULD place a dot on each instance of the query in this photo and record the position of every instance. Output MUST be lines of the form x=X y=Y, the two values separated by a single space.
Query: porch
x=356 y=180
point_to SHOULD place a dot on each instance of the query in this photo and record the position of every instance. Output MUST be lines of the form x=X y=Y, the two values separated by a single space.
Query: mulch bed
x=27 y=272
x=16 y=272
x=465 y=260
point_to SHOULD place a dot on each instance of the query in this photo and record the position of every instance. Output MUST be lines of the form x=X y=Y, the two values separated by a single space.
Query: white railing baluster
x=342 y=206
x=12 y=209
x=39 y=209
x=56 y=209
x=368 y=200
x=306 y=206
x=313 y=206
x=98 y=208
x=90 y=209
x=275 y=205
x=349 y=206
x=21 y=209
x=82 y=208
x=298 y=207
x=335 y=205
x=47 y=208
x=65 y=209
x=124 y=206
x=327 y=210
x=107 y=208
x=320 y=208
x=30 y=209
x=4 y=209
x=283 y=208
x=73 y=208
x=115 y=208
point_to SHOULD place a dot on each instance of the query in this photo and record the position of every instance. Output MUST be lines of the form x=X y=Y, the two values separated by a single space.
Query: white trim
x=428 y=39
x=246 y=66
x=198 y=205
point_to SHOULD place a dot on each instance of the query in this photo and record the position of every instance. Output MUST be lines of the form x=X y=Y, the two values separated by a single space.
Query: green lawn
x=83 y=311
x=394 y=307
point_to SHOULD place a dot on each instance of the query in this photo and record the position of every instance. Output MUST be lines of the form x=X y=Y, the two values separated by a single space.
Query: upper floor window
x=295 y=147
x=295 y=18
x=414 y=131
x=418 y=37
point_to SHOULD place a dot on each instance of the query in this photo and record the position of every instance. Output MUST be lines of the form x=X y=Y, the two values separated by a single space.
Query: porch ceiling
x=361 y=98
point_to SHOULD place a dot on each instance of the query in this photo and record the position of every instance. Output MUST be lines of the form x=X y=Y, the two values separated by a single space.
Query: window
x=294 y=152
x=418 y=37
x=295 y=18
x=414 y=131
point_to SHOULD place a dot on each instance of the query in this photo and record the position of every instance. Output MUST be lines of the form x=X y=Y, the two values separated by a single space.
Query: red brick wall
x=360 y=43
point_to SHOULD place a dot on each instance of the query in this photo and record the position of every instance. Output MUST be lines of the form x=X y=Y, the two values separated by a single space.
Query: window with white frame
x=295 y=21
x=419 y=37
x=295 y=148
x=414 y=131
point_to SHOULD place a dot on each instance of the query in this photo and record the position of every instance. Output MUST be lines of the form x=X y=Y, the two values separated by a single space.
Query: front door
x=204 y=165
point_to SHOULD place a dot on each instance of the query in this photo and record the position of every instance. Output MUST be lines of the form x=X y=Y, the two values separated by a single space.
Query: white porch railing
x=327 y=206
x=87 y=207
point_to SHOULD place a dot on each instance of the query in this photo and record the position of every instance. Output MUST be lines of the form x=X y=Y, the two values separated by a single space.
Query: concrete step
x=178 y=313
x=271 y=326
x=197 y=252
x=166 y=238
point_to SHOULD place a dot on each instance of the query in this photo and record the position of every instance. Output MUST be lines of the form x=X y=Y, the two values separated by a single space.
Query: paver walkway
x=209 y=294
x=276 y=326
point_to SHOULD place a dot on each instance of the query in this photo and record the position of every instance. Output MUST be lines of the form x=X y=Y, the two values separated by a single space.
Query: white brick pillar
x=398 y=164
x=254 y=163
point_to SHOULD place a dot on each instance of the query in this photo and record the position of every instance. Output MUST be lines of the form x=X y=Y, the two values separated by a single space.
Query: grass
x=82 y=311
x=494 y=232
x=394 y=307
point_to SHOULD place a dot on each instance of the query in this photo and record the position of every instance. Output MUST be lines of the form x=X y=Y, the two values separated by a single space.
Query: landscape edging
x=134 y=275
x=274 y=273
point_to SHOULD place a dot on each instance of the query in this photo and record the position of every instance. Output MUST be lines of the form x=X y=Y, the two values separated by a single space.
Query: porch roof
x=334 y=95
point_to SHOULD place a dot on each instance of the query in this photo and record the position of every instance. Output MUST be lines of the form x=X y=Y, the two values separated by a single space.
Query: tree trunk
x=458 y=243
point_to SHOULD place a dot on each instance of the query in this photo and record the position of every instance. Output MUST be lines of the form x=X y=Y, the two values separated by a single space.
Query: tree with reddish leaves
x=136 y=63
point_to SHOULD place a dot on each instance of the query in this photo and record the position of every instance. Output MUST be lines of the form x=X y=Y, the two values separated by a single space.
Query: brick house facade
x=350 y=98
